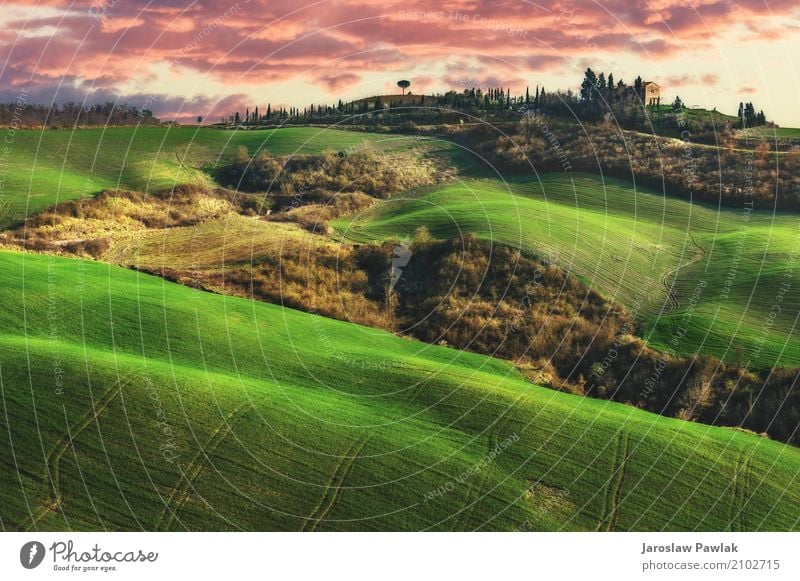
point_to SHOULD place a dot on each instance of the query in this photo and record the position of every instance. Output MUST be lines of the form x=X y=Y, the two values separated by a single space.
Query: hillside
x=789 y=134
x=407 y=100
x=716 y=273
x=158 y=407
x=45 y=167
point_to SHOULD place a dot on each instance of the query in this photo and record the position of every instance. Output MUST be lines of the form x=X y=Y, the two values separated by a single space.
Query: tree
x=677 y=104
x=199 y=119
x=749 y=115
x=404 y=85
x=527 y=95
x=588 y=86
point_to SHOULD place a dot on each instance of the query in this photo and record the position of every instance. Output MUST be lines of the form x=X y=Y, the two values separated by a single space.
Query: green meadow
x=133 y=403
x=42 y=168
x=701 y=279
x=773 y=132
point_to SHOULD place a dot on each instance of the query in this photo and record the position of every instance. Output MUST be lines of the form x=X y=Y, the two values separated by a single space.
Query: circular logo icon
x=31 y=554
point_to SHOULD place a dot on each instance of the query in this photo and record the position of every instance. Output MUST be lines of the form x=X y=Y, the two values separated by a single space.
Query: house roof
x=651 y=83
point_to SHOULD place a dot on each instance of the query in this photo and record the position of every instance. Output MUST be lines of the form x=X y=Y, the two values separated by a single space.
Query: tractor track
x=335 y=485
x=739 y=494
x=181 y=495
x=190 y=172
x=674 y=303
x=612 y=498
x=333 y=489
x=53 y=463
x=492 y=441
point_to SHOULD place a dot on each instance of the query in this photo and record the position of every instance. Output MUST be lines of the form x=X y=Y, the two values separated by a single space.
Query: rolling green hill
x=43 y=167
x=789 y=133
x=702 y=279
x=134 y=403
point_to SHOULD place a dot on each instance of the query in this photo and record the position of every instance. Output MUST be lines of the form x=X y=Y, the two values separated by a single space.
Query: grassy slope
x=689 y=115
x=773 y=132
x=44 y=167
x=628 y=244
x=213 y=245
x=283 y=420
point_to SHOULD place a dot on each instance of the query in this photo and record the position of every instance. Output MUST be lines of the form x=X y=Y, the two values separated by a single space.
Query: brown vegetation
x=88 y=226
x=727 y=175
x=363 y=170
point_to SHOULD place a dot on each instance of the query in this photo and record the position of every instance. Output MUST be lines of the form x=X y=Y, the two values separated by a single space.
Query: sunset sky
x=210 y=57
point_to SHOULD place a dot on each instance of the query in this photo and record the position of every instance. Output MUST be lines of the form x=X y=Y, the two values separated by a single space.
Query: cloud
x=335 y=44
x=335 y=83
x=710 y=79
x=113 y=25
x=684 y=80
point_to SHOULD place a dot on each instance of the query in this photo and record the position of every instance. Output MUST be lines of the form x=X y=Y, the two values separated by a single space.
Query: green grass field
x=688 y=115
x=44 y=167
x=791 y=133
x=701 y=279
x=134 y=403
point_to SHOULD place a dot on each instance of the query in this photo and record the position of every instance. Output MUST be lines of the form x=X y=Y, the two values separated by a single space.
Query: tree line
x=601 y=97
x=748 y=116
x=494 y=99
x=23 y=114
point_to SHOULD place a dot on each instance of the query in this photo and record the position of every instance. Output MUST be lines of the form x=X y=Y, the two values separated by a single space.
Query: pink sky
x=208 y=57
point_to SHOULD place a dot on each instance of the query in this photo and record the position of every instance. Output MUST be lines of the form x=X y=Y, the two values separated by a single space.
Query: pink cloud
x=99 y=44
x=113 y=25
x=334 y=83
x=687 y=80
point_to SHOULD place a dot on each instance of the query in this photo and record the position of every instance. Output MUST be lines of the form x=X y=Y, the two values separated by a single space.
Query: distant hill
x=408 y=100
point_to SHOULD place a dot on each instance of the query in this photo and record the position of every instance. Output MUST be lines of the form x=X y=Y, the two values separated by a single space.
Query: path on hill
x=484 y=479
x=739 y=493
x=612 y=498
x=185 y=488
x=53 y=463
x=674 y=303
x=190 y=171
x=335 y=485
